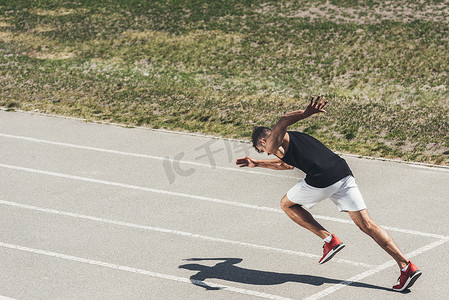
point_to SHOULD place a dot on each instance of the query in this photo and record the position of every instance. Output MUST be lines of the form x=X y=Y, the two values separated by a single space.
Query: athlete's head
x=259 y=138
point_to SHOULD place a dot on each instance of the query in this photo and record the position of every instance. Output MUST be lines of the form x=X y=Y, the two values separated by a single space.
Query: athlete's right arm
x=273 y=164
x=276 y=137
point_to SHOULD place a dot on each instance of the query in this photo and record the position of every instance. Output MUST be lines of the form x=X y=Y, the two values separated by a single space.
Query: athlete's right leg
x=302 y=217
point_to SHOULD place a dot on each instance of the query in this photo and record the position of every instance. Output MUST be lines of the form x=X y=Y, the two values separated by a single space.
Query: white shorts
x=344 y=193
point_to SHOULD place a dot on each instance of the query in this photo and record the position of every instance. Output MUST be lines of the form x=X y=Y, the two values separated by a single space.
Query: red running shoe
x=330 y=249
x=407 y=278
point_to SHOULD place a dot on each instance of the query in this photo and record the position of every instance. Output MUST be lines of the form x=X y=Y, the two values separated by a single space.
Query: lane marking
x=146 y=156
x=177 y=232
x=138 y=271
x=431 y=167
x=140 y=188
x=388 y=228
x=413 y=164
x=202 y=198
x=431 y=235
x=191 y=134
x=348 y=282
x=6 y=298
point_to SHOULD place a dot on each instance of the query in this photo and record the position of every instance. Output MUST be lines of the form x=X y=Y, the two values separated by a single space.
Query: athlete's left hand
x=246 y=162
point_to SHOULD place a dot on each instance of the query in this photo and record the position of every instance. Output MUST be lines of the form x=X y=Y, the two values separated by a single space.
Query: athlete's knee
x=363 y=220
x=366 y=225
x=286 y=204
x=283 y=203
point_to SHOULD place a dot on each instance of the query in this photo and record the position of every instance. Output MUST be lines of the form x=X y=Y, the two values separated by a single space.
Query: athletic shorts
x=344 y=193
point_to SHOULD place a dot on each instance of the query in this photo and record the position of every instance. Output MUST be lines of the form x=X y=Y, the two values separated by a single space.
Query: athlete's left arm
x=274 y=140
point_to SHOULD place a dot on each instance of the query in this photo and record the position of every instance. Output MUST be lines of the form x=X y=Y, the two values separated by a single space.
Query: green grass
x=222 y=67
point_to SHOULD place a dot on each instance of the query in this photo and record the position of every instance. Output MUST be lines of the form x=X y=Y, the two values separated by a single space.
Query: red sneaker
x=407 y=278
x=330 y=249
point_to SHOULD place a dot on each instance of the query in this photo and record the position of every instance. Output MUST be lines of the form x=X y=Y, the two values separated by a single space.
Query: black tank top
x=322 y=166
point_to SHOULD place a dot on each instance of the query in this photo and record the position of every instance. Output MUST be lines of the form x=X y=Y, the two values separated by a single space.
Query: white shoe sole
x=410 y=281
x=332 y=253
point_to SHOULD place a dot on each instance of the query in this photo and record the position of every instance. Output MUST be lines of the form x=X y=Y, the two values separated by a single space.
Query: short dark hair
x=259 y=133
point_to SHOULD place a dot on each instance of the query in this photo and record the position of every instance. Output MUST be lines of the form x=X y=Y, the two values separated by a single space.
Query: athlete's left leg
x=363 y=220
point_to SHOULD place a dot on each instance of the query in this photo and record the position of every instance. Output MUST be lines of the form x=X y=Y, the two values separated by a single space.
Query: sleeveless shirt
x=322 y=166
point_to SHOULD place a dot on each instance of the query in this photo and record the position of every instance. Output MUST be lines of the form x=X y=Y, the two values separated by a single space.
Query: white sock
x=405 y=269
x=328 y=239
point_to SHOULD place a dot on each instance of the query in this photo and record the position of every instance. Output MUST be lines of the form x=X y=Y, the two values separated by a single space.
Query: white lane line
x=236 y=169
x=413 y=164
x=202 y=198
x=431 y=235
x=177 y=232
x=6 y=298
x=338 y=286
x=138 y=271
x=430 y=167
x=140 y=188
x=389 y=228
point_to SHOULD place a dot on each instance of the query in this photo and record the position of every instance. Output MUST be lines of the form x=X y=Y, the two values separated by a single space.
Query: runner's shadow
x=227 y=270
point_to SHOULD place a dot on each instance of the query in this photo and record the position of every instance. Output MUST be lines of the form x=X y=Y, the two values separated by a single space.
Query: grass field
x=222 y=67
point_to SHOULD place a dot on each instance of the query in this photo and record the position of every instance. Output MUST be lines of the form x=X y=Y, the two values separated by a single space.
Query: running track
x=92 y=211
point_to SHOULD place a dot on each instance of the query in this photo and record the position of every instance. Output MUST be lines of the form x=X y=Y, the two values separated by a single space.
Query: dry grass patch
x=57 y=12
x=42 y=29
x=36 y=45
x=368 y=13
x=51 y=56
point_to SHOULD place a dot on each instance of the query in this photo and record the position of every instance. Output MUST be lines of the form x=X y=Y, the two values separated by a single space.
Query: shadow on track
x=227 y=270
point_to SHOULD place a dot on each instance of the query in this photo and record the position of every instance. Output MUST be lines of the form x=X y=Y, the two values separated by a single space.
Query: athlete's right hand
x=246 y=162
x=315 y=106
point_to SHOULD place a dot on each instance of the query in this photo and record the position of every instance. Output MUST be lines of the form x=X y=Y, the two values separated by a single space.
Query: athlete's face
x=261 y=147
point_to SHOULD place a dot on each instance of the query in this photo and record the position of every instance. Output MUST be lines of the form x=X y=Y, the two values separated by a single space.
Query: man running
x=327 y=176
